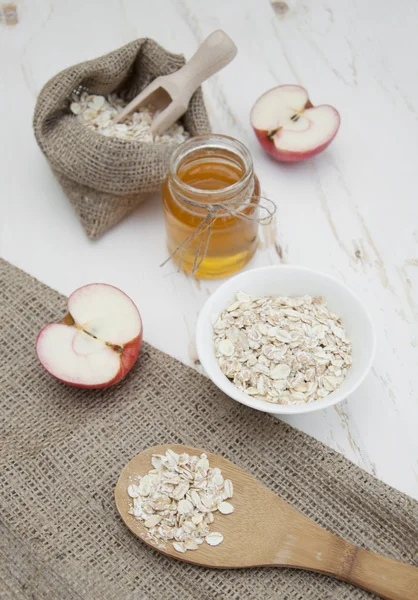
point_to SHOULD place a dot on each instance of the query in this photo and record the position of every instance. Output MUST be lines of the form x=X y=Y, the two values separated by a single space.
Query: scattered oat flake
x=176 y=500
x=226 y=347
x=133 y=491
x=98 y=113
x=152 y=521
x=228 y=489
x=282 y=349
x=191 y=544
x=225 y=508
x=214 y=538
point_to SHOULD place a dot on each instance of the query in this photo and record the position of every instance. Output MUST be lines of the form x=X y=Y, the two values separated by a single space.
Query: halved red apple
x=289 y=127
x=97 y=343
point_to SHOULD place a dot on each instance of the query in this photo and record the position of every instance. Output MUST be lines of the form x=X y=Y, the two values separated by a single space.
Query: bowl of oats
x=285 y=339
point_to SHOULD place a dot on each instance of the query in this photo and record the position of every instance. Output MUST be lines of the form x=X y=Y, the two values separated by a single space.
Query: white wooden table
x=351 y=212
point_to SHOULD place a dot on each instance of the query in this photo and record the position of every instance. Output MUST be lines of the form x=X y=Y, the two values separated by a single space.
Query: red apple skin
x=284 y=155
x=128 y=358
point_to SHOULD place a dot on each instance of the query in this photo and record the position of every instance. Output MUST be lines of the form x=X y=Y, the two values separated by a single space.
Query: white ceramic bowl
x=283 y=280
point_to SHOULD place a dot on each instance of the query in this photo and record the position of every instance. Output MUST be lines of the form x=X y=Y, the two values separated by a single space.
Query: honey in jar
x=211 y=173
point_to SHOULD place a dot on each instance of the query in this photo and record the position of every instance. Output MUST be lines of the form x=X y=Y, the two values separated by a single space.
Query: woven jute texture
x=62 y=450
x=105 y=178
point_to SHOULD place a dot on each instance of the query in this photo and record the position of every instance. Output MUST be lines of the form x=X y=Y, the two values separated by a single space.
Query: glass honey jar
x=211 y=197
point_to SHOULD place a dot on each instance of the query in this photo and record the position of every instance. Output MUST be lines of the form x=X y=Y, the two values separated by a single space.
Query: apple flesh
x=97 y=343
x=289 y=127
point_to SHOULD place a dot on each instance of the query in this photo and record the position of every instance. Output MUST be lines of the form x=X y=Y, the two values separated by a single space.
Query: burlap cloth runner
x=62 y=450
x=105 y=178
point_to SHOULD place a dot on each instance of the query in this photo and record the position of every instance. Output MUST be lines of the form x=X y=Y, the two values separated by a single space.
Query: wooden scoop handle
x=213 y=55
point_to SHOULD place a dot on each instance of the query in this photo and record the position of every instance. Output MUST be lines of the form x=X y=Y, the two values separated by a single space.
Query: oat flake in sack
x=104 y=177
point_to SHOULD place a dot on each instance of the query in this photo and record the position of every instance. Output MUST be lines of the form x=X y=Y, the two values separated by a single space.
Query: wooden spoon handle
x=215 y=52
x=390 y=579
x=318 y=550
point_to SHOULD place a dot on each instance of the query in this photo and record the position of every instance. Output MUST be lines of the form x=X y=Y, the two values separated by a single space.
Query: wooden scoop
x=265 y=531
x=171 y=93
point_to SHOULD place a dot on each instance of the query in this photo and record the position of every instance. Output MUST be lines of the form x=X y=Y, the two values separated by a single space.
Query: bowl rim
x=226 y=385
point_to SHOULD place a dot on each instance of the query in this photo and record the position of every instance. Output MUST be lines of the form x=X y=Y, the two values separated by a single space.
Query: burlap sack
x=105 y=178
x=62 y=449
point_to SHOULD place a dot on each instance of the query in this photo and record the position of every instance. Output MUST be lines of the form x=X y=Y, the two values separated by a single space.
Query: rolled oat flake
x=281 y=349
x=176 y=501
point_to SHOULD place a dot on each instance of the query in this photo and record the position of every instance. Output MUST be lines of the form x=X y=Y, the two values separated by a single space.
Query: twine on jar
x=234 y=208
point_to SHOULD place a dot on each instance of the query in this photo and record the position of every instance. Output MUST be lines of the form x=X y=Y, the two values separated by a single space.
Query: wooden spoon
x=265 y=531
x=171 y=93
